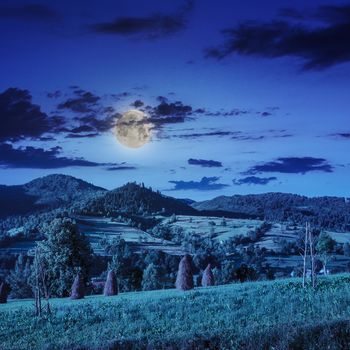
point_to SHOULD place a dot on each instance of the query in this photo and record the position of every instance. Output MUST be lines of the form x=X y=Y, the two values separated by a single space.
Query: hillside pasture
x=205 y=225
x=251 y=316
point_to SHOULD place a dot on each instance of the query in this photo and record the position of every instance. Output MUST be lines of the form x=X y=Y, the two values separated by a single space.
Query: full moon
x=133 y=129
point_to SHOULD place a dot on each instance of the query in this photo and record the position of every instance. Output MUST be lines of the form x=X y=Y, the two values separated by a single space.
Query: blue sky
x=245 y=97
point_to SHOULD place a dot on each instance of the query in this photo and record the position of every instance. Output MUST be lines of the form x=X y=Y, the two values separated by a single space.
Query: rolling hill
x=45 y=193
x=323 y=212
x=137 y=199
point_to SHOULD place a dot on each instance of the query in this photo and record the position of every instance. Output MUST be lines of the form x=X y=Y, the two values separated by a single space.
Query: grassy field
x=261 y=315
x=204 y=225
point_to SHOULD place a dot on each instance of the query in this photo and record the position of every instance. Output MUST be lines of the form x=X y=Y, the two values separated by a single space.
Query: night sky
x=243 y=96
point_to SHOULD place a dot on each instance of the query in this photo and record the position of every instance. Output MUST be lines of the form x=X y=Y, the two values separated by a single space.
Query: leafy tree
x=20 y=279
x=65 y=252
x=150 y=280
x=184 y=279
x=324 y=247
x=228 y=272
x=128 y=271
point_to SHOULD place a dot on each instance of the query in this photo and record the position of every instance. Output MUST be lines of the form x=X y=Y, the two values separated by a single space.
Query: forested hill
x=325 y=212
x=136 y=199
x=49 y=192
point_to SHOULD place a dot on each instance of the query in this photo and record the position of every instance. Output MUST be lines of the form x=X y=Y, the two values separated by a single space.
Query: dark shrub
x=111 y=286
x=78 y=288
x=3 y=293
x=184 y=279
x=208 y=277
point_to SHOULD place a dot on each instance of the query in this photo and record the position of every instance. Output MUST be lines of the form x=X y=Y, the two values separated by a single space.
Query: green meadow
x=256 y=315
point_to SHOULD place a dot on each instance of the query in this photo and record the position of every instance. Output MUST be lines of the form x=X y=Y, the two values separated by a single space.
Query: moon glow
x=132 y=129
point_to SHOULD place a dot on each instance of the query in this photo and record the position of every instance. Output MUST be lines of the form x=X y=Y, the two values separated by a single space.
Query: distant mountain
x=45 y=193
x=186 y=200
x=137 y=199
x=325 y=212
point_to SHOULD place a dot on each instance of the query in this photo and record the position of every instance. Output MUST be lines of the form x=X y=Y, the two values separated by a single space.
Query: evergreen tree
x=111 y=285
x=184 y=279
x=20 y=279
x=78 y=288
x=150 y=279
x=65 y=252
x=208 y=277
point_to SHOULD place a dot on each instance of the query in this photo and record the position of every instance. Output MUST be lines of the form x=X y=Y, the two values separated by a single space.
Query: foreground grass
x=260 y=315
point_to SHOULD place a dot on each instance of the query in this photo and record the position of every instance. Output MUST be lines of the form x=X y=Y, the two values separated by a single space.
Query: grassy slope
x=238 y=316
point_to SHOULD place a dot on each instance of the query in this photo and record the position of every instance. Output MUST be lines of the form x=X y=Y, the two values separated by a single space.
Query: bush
x=78 y=288
x=184 y=279
x=111 y=285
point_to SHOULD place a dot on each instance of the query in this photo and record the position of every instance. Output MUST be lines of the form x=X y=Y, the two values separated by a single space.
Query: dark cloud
x=253 y=180
x=172 y=109
x=321 y=45
x=80 y=136
x=222 y=113
x=343 y=135
x=82 y=102
x=121 y=95
x=35 y=12
x=54 y=94
x=168 y=113
x=38 y=158
x=205 y=134
x=20 y=118
x=205 y=163
x=149 y=27
x=121 y=167
x=98 y=124
x=137 y=103
x=205 y=184
x=292 y=165
x=234 y=135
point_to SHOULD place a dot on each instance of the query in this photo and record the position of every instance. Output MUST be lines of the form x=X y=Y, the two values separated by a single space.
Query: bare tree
x=309 y=251
x=37 y=292
x=312 y=242
x=304 y=252
x=44 y=281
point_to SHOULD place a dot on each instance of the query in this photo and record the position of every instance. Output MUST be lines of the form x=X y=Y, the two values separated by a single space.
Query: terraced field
x=97 y=228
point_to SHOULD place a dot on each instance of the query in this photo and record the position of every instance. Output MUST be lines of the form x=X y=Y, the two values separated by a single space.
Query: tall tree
x=150 y=278
x=324 y=247
x=184 y=279
x=64 y=253
x=20 y=279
